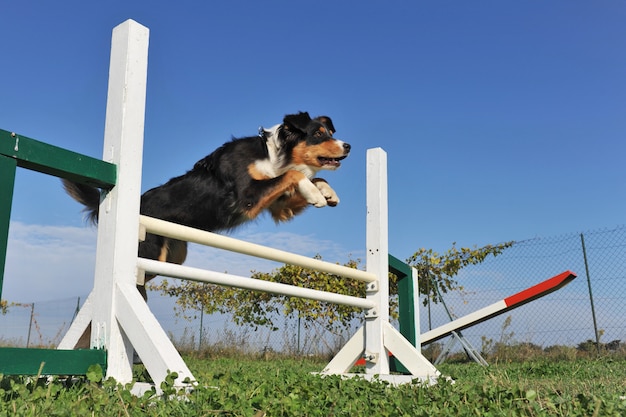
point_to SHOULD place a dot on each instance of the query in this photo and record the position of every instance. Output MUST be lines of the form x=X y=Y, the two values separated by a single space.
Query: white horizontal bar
x=189 y=234
x=202 y=275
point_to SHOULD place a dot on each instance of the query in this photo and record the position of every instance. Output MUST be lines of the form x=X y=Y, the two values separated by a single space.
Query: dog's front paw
x=332 y=199
x=311 y=193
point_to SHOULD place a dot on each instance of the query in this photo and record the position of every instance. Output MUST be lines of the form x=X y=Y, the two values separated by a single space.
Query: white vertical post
x=118 y=227
x=377 y=359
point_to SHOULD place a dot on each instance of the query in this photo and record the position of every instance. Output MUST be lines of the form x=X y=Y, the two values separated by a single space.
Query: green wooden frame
x=21 y=361
x=49 y=159
x=21 y=151
x=406 y=306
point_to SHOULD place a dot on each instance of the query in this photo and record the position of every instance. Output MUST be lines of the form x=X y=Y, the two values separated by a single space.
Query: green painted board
x=21 y=361
x=7 y=174
x=52 y=160
x=406 y=297
x=406 y=305
x=20 y=151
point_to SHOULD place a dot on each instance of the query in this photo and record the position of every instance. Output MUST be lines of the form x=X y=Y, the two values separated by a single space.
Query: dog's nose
x=346 y=147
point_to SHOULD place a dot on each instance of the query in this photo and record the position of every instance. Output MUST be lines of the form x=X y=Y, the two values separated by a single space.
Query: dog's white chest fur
x=274 y=165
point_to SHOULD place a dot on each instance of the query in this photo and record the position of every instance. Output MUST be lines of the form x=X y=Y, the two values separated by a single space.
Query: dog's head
x=310 y=142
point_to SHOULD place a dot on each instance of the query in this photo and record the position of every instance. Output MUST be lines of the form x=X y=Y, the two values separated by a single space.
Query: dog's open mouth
x=332 y=162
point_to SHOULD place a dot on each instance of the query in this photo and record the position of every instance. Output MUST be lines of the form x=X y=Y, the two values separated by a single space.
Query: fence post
x=200 y=336
x=30 y=323
x=299 y=328
x=593 y=309
x=77 y=310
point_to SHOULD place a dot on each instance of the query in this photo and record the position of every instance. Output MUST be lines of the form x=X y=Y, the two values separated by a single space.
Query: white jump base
x=121 y=321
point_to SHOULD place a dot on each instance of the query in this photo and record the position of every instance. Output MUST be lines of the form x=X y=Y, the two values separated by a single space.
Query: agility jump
x=121 y=321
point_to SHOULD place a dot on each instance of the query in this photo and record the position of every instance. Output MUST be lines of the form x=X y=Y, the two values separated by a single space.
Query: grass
x=285 y=387
x=546 y=387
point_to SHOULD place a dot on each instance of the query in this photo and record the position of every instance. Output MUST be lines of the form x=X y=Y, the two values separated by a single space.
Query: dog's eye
x=317 y=134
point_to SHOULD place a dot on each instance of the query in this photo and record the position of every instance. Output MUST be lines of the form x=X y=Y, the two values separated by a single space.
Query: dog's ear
x=327 y=123
x=297 y=122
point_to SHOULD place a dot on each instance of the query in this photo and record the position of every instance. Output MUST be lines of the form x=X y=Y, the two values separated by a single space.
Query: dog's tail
x=85 y=195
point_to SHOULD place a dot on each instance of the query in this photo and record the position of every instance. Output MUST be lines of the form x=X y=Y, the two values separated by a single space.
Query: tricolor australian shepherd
x=274 y=171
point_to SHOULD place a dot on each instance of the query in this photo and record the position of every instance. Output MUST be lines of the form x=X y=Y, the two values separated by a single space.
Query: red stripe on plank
x=541 y=289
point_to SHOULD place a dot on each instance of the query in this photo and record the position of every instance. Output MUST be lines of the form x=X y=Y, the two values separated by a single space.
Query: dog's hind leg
x=287 y=206
x=161 y=249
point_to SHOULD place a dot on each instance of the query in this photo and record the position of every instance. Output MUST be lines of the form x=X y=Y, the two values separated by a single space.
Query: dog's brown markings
x=325 y=120
x=164 y=250
x=287 y=184
x=287 y=206
x=173 y=251
x=308 y=155
x=255 y=174
x=300 y=154
x=330 y=149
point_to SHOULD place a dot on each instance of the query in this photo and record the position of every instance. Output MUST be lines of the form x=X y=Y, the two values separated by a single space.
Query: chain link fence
x=37 y=324
x=591 y=310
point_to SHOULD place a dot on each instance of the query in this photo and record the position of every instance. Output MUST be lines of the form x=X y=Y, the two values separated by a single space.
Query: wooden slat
x=49 y=159
x=21 y=361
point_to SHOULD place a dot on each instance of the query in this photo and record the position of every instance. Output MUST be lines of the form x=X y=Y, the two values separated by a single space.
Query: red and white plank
x=516 y=300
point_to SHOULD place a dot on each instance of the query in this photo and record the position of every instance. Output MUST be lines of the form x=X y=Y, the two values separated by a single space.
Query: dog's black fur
x=273 y=171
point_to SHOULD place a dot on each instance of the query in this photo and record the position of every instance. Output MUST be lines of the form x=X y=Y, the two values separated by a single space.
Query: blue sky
x=501 y=120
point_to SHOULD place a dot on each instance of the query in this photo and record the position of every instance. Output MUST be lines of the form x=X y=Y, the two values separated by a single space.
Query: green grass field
x=286 y=387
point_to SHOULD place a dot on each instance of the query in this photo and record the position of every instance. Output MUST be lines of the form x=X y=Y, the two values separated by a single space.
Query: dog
x=274 y=172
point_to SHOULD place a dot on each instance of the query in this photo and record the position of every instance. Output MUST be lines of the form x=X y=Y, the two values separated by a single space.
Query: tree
x=261 y=309
x=436 y=271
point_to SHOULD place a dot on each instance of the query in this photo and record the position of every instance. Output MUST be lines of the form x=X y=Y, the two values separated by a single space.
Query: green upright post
x=8 y=166
x=406 y=306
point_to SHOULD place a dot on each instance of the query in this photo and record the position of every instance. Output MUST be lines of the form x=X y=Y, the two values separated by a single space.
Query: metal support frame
x=456 y=336
x=467 y=346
